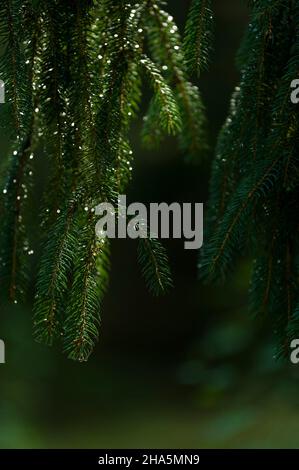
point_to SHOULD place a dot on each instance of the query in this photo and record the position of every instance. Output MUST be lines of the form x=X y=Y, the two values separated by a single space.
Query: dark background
x=191 y=369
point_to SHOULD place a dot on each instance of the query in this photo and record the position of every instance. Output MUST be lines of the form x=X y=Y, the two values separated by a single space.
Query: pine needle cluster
x=73 y=74
x=255 y=179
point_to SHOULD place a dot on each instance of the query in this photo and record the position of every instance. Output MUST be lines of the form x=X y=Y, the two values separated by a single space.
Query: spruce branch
x=73 y=75
x=198 y=38
x=153 y=260
x=254 y=185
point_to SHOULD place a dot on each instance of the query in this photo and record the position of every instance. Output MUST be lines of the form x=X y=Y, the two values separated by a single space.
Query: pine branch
x=168 y=112
x=162 y=29
x=155 y=266
x=199 y=36
x=72 y=72
x=254 y=185
x=89 y=286
x=54 y=274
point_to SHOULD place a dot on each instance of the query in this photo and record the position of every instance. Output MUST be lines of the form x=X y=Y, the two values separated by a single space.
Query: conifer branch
x=254 y=186
x=73 y=72
x=153 y=259
x=198 y=36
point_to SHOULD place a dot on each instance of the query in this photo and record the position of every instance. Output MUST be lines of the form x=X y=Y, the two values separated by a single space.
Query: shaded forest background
x=191 y=369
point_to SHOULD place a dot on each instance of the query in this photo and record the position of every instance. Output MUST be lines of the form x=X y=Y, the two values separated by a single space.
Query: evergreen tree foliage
x=73 y=72
x=155 y=268
x=255 y=179
x=198 y=41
